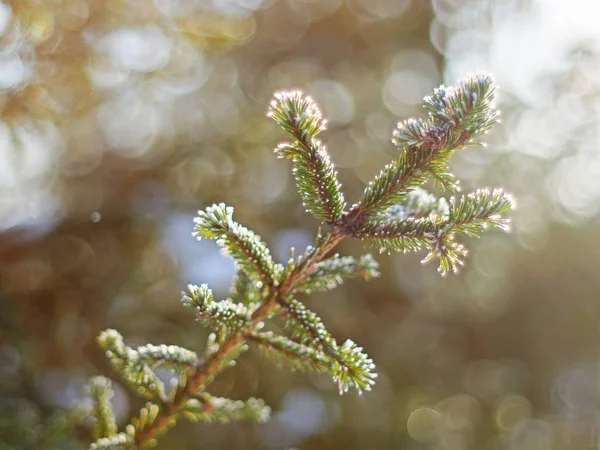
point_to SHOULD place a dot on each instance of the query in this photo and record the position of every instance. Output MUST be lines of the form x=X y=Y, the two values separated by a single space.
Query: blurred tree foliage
x=121 y=118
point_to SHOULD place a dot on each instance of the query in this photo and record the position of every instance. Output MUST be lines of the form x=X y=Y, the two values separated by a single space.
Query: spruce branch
x=234 y=316
x=395 y=213
x=392 y=184
x=423 y=154
x=315 y=174
x=332 y=272
x=306 y=326
x=479 y=210
x=403 y=235
x=216 y=222
x=171 y=357
x=348 y=365
x=352 y=368
x=207 y=408
x=467 y=111
x=457 y=117
x=125 y=360
x=472 y=215
x=104 y=418
x=284 y=351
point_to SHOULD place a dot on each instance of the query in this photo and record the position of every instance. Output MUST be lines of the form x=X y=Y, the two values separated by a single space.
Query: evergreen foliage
x=207 y=408
x=330 y=273
x=225 y=313
x=283 y=350
x=348 y=366
x=394 y=213
x=457 y=117
x=216 y=222
x=315 y=175
x=104 y=418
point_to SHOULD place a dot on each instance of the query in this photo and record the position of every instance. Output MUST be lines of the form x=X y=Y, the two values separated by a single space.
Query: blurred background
x=121 y=118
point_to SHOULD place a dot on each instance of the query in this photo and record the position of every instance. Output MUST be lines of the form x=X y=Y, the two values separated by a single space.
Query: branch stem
x=198 y=378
